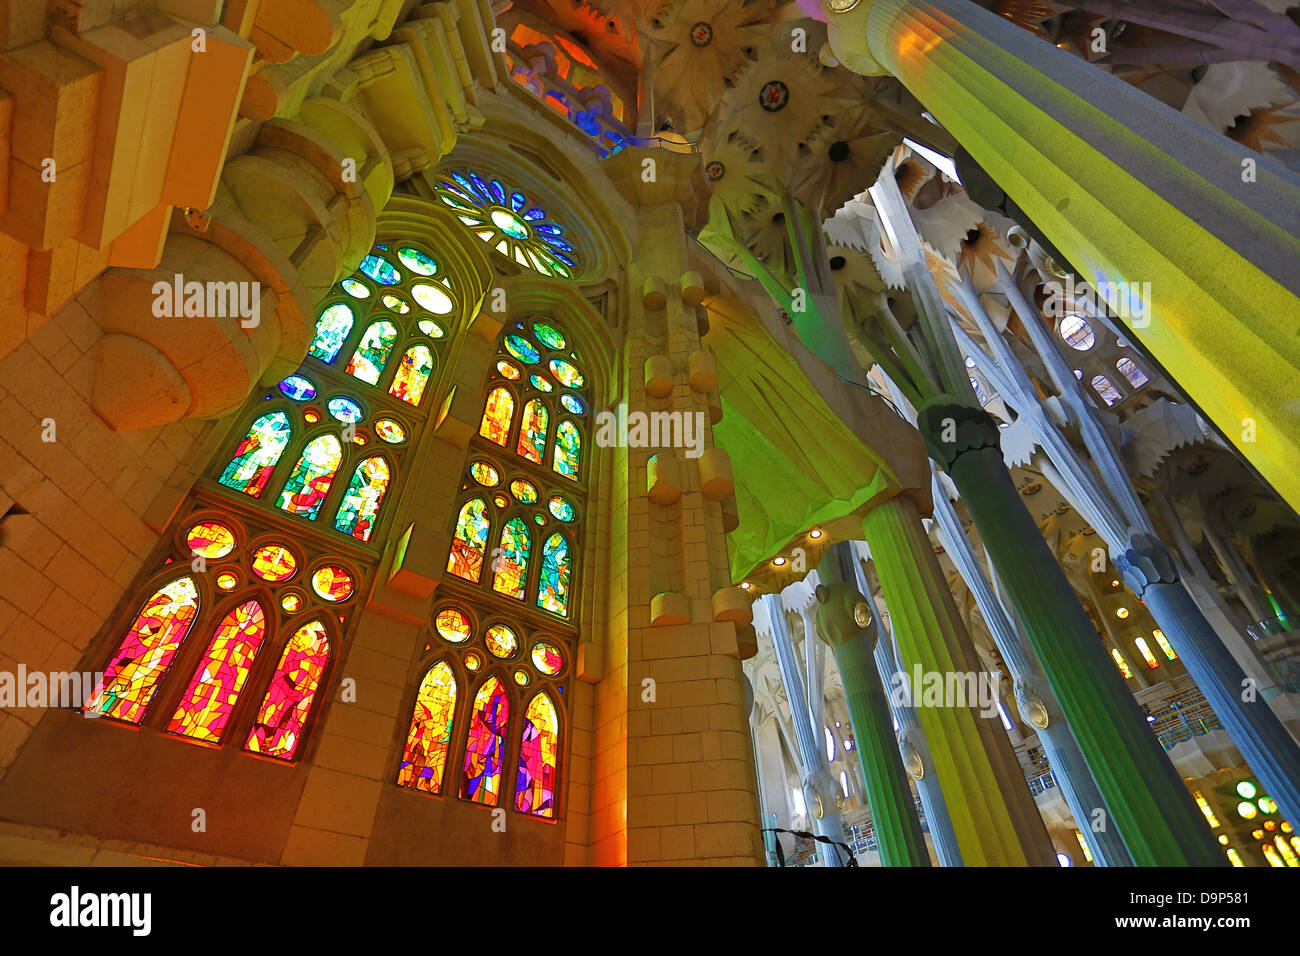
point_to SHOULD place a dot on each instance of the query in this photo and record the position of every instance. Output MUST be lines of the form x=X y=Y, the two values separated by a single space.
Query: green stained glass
x=395 y=303
x=532 y=431
x=368 y=361
x=522 y=349
x=430 y=328
x=553 y=582
x=311 y=478
x=380 y=269
x=566 y=374
x=257 y=454
x=355 y=288
x=359 y=509
x=332 y=328
x=511 y=559
x=417 y=261
x=568 y=450
x=509 y=223
x=561 y=508
x=540 y=383
x=548 y=336
x=523 y=491
x=466 y=557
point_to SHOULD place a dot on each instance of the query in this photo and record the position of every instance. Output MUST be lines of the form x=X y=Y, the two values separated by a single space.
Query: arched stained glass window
x=150 y=646
x=368 y=361
x=553 y=581
x=359 y=508
x=412 y=374
x=498 y=415
x=257 y=454
x=332 y=330
x=1108 y=392
x=568 y=449
x=207 y=702
x=532 y=431
x=284 y=711
x=470 y=541
x=429 y=739
x=511 y=559
x=506 y=220
x=311 y=478
x=486 y=746
x=1134 y=375
x=538 y=758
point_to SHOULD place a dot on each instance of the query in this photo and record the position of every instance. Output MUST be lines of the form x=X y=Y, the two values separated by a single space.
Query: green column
x=845 y=622
x=993 y=813
x=1155 y=814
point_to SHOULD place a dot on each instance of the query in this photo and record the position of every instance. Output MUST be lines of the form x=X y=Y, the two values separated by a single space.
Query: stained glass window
x=453 y=625
x=1109 y=393
x=368 y=361
x=418 y=262
x=484 y=474
x=211 y=540
x=278 y=727
x=298 y=388
x=561 y=508
x=429 y=738
x=1129 y=369
x=538 y=758
x=511 y=559
x=566 y=374
x=547 y=658
x=553 y=582
x=150 y=645
x=548 y=335
x=501 y=641
x=207 y=702
x=568 y=449
x=573 y=404
x=498 y=415
x=332 y=329
x=344 y=410
x=389 y=431
x=432 y=299
x=523 y=491
x=274 y=563
x=257 y=454
x=485 y=748
x=412 y=374
x=507 y=221
x=365 y=493
x=311 y=478
x=332 y=583
x=532 y=431
x=380 y=269
x=522 y=349
x=467 y=547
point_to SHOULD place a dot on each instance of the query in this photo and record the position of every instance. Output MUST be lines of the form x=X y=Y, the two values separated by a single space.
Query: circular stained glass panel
x=523 y=491
x=573 y=404
x=274 y=563
x=522 y=678
x=540 y=383
x=501 y=641
x=431 y=328
x=432 y=299
x=484 y=474
x=566 y=374
x=453 y=625
x=417 y=261
x=298 y=388
x=332 y=583
x=522 y=349
x=380 y=269
x=395 y=303
x=344 y=409
x=291 y=602
x=548 y=336
x=508 y=370
x=210 y=540
x=473 y=661
x=561 y=508
x=547 y=658
x=226 y=581
x=356 y=288
x=389 y=431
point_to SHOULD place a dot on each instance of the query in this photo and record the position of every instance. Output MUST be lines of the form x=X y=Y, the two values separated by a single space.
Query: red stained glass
x=538 y=759
x=532 y=431
x=278 y=728
x=429 y=738
x=485 y=749
x=210 y=697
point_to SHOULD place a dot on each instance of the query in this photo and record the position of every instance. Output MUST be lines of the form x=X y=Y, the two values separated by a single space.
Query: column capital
x=951 y=428
x=1146 y=562
x=843 y=615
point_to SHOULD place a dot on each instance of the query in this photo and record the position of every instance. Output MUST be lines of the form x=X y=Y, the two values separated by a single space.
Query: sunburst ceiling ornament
x=509 y=222
x=774 y=96
x=701 y=34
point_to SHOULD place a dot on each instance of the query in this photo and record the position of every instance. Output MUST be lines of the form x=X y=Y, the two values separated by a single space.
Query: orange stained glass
x=429 y=737
x=207 y=702
x=485 y=746
x=274 y=563
x=150 y=646
x=210 y=540
x=510 y=560
x=538 y=758
x=453 y=625
x=332 y=583
x=498 y=415
x=470 y=543
x=288 y=701
x=532 y=431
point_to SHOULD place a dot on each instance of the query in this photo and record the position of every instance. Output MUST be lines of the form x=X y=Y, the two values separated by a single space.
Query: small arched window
x=1134 y=375
x=1108 y=392
x=538 y=758
x=485 y=748
x=257 y=454
x=429 y=738
x=365 y=493
x=310 y=480
x=277 y=730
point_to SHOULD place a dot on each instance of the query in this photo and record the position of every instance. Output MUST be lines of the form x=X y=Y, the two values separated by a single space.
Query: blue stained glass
x=332 y=328
x=560 y=244
x=464 y=181
x=380 y=269
x=518 y=201
x=573 y=404
x=535 y=213
x=522 y=349
x=565 y=259
x=546 y=229
x=344 y=409
x=498 y=193
x=481 y=187
x=298 y=388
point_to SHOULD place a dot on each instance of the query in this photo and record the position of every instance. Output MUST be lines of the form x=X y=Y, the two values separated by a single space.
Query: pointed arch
x=371 y=355
x=311 y=478
x=332 y=329
x=277 y=730
x=485 y=747
x=470 y=541
x=555 y=575
x=210 y=696
x=511 y=559
x=359 y=510
x=257 y=454
x=532 y=431
x=429 y=738
x=539 y=754
x=140 y=661
x=412 y=374
x=498 y=416
x=568 y=450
